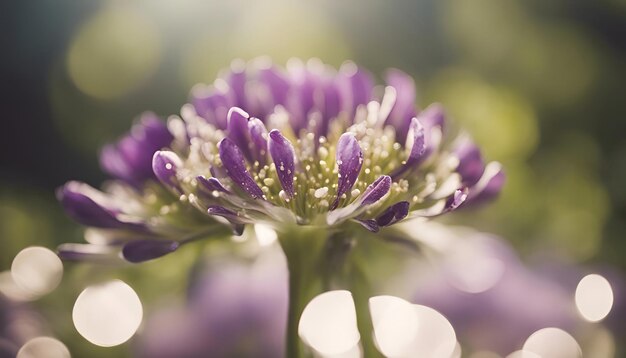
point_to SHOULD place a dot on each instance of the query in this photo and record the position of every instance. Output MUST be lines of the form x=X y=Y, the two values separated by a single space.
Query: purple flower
x=306 y=145
x=233 y=310
x=492 y=299
x=131 y=157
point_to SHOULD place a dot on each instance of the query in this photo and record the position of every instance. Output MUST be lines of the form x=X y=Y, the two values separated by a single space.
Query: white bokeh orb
x=41 y=347
x=107 y=314
x=37 y=270
x=328 y=323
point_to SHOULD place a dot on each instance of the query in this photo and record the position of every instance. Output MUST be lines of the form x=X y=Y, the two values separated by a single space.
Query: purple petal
x=349 y=160
x=258 y=135
x=417 y=141
x=211 y=105
x=225 y=213
x=144 y=250
x=81 y=207
x=369 y=224
x=359 y=85
x=432 y=116
x=87 y=252
x=283 y=156
x=276 y=82
x=375 y=191
x=393 y=214
x=165 y=164
x=211 y=184
x=235 y=166
x=404 y=108
x=455 y=200
x=238 y=130
x=131 y=158
x=471 y=165
x=417 y=144
x=494 y=181
x=236 y=80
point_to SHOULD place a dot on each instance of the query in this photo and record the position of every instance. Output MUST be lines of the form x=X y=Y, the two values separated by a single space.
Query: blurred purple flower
x=492 y=300
x=305 y=145
x=234 y=310
x=18 y=324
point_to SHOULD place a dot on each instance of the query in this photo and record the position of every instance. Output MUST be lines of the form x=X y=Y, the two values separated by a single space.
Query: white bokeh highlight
x=265 y=234
x=41 y=347
x=328 y=324
x=107 y=314
x=402 y=329
x=594 y=298
x=37 y=270
x=554 y=343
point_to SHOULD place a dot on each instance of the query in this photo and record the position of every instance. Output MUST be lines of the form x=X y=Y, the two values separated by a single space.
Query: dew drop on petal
x=37 y=270
x=554 y=343
x=107 y=314
x=594 y=297
x=43 y=347
x=328 y=323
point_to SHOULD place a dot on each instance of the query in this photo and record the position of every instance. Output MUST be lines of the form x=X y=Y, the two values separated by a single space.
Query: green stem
x=303 y=247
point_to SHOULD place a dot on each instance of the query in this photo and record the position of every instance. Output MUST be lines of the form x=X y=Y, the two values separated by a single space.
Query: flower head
x=305 y=145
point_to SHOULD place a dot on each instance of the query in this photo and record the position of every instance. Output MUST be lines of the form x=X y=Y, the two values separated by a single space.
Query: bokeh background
x=539 y=84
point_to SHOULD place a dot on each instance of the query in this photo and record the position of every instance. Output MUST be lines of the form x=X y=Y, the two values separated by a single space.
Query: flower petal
x=375 y=191
x=433 y=116
x=393 y=214
x=223 y=212
x=258 y=136
x=211 y=184
x=276 y=82
x=235 y=166
x=87 y=252
x=349 y=160
x=369 y=224
x=165 y=165
x=489 y=185
x=211 y=105
x=416 y=145
x=144 y=250
x=79 y=204
x=283 y=156
x=455 y=200
x=238 y=130
x=404 y=108
x=471 y=165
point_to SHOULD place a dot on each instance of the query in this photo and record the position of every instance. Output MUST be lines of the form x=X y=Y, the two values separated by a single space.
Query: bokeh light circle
x=37 y=270
x=40 y=347
x=328 y=323
x=594 y=297
x=403 y=329
x=107 y=314
x=114 y=52
x=554 y=343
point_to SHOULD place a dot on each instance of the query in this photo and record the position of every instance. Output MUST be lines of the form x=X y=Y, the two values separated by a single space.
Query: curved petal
x=144 y=250
x=234 y=163
x=349 y=161
x=393 y=214
x=283 y=156
x=165 y=165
